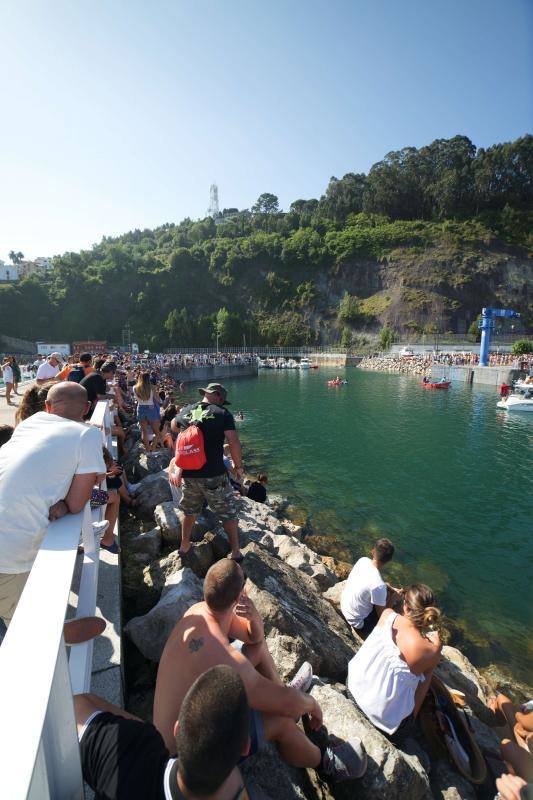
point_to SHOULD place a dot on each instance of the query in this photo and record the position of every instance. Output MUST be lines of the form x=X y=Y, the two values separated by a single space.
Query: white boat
x=518 y=401
x=406 y=352
x=292 y=364
x=262 y=364
x=524 y=383
x=305 y=363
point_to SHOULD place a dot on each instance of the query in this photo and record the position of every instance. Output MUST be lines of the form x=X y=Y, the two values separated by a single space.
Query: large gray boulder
x=256 y=519
x=334 y=594
x=447 y=784
x=269 y=778
x=138 y=463
x=458 y=672
x=300 y=557
x=154 y=489
x=168 y=520
x=148 y=544
x=152 y=462
x=150 y=632
x=391 y=774
x=299 y=624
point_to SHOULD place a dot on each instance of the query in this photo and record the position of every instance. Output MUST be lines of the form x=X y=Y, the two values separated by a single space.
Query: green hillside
x=421 y=243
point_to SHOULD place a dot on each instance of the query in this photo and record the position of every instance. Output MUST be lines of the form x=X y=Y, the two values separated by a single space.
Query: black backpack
x=76 y=374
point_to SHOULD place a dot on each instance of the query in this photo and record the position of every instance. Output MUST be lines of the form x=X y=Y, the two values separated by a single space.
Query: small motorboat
x=517 y=401
x=337 y=383
x=305 y=363
x=436 y=384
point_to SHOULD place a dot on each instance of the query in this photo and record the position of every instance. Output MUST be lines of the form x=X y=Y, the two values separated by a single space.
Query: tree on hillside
x=228 y=327
x=344 y=196
x=16 y=257
x=180 y=328
x=266 y=205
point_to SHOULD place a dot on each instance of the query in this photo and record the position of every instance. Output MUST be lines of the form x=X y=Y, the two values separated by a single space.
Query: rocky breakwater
x=416 y=365
x=297 y=595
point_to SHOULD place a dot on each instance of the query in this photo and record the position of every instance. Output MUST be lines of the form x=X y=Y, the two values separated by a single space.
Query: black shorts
x=123 y=758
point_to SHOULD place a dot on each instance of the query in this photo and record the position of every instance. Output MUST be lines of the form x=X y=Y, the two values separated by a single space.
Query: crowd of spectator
x=495 y=360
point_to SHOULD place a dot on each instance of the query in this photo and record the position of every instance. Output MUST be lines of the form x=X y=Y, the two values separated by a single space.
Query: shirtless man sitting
x=201 y=640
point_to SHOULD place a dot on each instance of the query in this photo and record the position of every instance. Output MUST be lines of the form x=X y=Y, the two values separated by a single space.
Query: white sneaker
x=100 y=528
x=303 y=678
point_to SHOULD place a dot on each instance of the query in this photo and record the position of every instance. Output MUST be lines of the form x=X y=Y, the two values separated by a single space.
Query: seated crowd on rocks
x=219 y=695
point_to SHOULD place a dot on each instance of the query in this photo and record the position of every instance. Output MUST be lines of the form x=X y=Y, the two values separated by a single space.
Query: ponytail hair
x=422 y=607
x=33 y=400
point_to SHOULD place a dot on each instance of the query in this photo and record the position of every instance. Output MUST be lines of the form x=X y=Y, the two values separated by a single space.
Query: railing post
x=59 y=752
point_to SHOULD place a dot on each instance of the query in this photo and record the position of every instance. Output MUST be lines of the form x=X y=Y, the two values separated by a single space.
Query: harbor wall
x=328 y=359
x=212 y=372
x=491 y=376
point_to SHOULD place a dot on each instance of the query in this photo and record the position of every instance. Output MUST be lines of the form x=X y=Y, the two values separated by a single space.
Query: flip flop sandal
x=83 y=629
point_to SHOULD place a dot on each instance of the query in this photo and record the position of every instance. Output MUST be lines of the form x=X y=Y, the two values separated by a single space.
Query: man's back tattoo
x=195 y=644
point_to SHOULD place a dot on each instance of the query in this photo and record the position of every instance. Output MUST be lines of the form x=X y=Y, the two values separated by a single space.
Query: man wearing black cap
x=211 y=482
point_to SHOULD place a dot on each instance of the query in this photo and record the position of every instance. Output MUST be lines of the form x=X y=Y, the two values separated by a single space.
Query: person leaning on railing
x=47 y=469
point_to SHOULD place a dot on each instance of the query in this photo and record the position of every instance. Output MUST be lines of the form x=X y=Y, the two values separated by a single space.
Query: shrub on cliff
x=386 y=338
x=522 y=346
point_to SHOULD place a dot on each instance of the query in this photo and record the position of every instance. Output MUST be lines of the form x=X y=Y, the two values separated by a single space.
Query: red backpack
x=190 y=451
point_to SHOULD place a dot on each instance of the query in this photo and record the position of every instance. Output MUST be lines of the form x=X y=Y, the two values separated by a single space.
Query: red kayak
x=436 y=384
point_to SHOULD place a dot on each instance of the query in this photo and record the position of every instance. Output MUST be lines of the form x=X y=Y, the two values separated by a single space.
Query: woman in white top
x=7 y=374
x=148 y=410
x=390 y=674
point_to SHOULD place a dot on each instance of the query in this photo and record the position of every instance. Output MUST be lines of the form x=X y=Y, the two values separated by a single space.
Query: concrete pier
x=468 y=373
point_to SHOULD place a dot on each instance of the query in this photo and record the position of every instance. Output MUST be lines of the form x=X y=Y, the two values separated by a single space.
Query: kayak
x=436 y=384
x=337 y=383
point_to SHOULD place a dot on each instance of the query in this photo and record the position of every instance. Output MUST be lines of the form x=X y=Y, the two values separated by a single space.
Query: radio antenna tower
x=213 y=211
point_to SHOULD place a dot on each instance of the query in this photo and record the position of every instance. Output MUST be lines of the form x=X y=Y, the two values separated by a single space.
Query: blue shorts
x=149 y=413
x=257 y=734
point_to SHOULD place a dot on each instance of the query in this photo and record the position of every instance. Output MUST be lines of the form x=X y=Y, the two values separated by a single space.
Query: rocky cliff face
x=297 y=597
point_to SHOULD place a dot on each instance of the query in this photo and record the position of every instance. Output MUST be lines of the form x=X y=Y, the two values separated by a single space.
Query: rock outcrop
x=150 y=632
x=299 y=624
x=154 y=489
x=391 y=774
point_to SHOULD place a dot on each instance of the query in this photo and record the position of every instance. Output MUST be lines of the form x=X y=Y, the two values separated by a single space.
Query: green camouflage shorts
x=218 y=493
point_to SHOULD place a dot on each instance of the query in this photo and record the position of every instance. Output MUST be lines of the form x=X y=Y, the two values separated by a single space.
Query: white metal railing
x=39 y=752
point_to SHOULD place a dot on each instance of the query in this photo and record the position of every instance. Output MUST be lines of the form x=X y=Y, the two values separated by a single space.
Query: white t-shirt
x=364 y=589
x=37 y=466
x=8 y=374
x=46 y=371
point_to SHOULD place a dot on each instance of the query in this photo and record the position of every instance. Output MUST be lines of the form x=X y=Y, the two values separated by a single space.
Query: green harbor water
x=444 y=474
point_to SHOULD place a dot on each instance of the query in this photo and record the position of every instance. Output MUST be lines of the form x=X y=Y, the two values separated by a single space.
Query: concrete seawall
x=491 y=376
x=216 y=372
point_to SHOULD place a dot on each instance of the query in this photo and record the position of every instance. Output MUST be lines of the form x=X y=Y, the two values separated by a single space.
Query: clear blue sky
x=117 y=114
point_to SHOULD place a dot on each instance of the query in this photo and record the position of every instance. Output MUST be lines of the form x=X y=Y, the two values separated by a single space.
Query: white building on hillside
x=8 y=272
x=41 y=267
x=44 y=263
